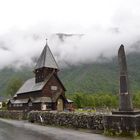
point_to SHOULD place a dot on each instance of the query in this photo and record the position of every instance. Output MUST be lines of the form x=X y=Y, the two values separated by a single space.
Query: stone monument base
x=135 y=112
x=122 y=123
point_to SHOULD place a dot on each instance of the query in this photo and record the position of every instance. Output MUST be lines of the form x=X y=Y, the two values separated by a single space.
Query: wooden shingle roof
x=33 y=100
x=46 y=59
x=30 y=85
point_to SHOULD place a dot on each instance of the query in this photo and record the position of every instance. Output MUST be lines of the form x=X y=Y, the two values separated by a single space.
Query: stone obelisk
x=125 y=101
x=126 y=121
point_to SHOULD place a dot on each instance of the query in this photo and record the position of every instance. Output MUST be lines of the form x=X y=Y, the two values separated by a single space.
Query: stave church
x=44 y=91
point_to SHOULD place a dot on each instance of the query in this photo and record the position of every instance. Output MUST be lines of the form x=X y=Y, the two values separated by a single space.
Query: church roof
x=46 y=59
x=20 y=101
x=30 y=86
x=34 y=100
x=69 y=101
x=41 y=100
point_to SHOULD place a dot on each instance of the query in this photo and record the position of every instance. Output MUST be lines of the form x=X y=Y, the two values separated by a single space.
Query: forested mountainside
x=85 y=78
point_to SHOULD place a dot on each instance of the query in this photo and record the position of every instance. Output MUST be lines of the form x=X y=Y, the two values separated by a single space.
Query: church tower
x=46 y=65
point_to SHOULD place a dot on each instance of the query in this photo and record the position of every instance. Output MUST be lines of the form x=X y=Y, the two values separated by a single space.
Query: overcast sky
x=103 y=24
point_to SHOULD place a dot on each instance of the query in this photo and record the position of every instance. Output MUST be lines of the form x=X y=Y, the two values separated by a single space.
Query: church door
x=59 y=105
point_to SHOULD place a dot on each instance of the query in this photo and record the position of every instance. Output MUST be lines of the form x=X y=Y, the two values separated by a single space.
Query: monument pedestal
x=134 y=112
x=122 y=123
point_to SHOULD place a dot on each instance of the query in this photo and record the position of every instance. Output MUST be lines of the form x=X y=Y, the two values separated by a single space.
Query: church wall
x=13 y=107
x=28 y=95
x=25 y=106
x=53 y=87
x=41 y=73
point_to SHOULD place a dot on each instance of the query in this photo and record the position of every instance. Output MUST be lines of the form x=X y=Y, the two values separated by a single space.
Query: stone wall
x=109 y=124
x=72 y=120
x=18 y=115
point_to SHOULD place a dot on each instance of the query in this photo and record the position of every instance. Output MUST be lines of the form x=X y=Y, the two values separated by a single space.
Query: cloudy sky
x=98 y=28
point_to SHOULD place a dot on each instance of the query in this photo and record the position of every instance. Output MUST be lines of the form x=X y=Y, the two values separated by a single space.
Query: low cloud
x=72 y=45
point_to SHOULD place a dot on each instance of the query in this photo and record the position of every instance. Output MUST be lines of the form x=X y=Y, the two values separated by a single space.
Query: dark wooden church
x=43 y=92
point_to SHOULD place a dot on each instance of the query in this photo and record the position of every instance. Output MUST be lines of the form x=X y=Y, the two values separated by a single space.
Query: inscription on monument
x=123 y=85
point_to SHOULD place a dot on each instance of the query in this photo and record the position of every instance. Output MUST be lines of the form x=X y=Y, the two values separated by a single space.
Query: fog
x=90 y=35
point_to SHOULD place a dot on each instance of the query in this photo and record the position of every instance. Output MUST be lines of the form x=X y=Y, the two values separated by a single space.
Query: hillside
x=101 y=77
x=86 y=78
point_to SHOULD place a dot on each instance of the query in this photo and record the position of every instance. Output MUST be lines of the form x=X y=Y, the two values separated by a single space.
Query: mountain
x=7 y=74
x=101 y=77
x=86 y=78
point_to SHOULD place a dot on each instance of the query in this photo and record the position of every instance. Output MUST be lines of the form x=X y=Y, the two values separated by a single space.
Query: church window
x=53 y=87
x=49 y=105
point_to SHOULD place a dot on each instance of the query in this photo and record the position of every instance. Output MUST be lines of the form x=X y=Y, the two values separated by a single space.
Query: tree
x=13 y=85
x=78 y=100
x=95 y=100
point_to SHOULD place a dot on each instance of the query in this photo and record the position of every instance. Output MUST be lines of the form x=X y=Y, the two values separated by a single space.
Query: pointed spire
x=46 y=42
x=122 y=60
x=46 y=59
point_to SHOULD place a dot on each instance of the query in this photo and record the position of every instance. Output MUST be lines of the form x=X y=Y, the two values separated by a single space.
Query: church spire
x=46 y=59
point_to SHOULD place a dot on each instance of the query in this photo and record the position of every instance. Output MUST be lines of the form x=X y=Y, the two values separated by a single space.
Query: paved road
x=20 y=130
